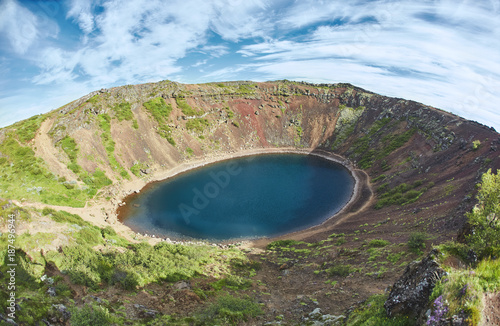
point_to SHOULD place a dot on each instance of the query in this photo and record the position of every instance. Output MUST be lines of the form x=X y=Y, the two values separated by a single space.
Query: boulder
x=410 y=294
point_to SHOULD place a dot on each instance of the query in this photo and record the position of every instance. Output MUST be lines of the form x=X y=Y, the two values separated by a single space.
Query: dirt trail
x=44 y=148
x=491 y=311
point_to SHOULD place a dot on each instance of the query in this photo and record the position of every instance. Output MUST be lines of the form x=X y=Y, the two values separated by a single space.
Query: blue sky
x=444 y=53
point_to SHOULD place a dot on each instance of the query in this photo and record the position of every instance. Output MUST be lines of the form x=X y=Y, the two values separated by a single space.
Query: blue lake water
x=248 y=197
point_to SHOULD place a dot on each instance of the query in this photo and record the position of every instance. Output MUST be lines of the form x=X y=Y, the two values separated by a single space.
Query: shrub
x=197 y=124
x=229 y=309
x=339 y=270
x=484 y=218
x=282 y=243
x=123 y=111
x=378 y=243
x=416 y=242
x=476 y=144
x=90 y=235
x=108 y=230
x=90 y=315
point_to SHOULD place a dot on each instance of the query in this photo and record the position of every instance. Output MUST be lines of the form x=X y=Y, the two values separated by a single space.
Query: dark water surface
x=249 y=197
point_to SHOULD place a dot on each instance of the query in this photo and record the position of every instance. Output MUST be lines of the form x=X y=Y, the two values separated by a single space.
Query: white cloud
x=237 y=19
x=215 y=50
x=19 y=25
x=81 y=11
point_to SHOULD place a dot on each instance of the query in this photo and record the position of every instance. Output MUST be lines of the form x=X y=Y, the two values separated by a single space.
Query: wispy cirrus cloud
x=20 y=34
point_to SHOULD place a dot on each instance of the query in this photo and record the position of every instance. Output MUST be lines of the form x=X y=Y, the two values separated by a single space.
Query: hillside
x=418 y=168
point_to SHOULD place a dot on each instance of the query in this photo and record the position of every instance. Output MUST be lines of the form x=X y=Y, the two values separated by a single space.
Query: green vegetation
x=339 y=270
x=378 y=243
x=189 y=151
x=123 y=111
x=362 y=146
x=282 y=243
x=109 y=144
x=68 y=145
x=346 y=124
x=476 y=144
x=186 y=108
x=416 y=242
x=137 y=167
x=140 y=265
x=461 y=291
x=90 y=315
x=26 y=129
x=402 y=194
x=22 y=175
x=197 y=124
x=485 y=217
x=96 y=180
x=64 y=217
x=94 y=99
x=161 y=112
x=131 y=267
x=246 y=89
x=372 y=312
x=229 y=310
x=230 y=113
x=236 y=124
